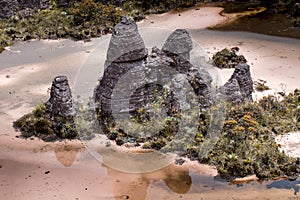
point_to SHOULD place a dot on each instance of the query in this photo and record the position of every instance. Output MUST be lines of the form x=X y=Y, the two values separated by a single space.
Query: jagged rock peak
x=180 y=43
x=61 y=101
x=242 y=76
x=126 y=44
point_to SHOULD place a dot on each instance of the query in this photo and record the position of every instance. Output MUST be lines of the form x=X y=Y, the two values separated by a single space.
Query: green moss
x=36 y=123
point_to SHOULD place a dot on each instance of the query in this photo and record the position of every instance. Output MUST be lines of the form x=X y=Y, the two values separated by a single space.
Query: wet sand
x=33 y=169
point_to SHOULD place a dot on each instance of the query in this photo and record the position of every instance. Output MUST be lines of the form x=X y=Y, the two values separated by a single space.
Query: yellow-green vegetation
x=247 y=145
x=39 y=123
x=82 y=20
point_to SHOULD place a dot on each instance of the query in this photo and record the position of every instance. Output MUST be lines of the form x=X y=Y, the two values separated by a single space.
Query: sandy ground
x=32 y=169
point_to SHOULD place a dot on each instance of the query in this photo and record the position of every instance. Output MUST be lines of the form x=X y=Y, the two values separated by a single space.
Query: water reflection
x=175 y=178
x=66 y=155
x=178 y=181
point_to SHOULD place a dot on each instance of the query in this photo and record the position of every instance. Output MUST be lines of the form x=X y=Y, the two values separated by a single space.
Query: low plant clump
x=228 y=58
x=39 y=123
x=246 y=144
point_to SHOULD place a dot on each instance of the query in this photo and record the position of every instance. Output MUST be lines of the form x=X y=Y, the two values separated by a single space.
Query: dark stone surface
x=126 y=44
x=239 y=87
x=232 y=91
x=9 y=8
x=180 y=43
x=133 y=79
x=60 y=103
x=61 y=109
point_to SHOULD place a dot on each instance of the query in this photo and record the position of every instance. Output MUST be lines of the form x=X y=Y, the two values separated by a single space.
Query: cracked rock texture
x=239 y=87
x=126 y=44
x=61 y=102
x=132 y=79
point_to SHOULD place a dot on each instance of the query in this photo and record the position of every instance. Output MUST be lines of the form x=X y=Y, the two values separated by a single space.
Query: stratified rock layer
x=60 y=103
x=126 y=44
x=232 y=91
x=180 y=43
x=133 y=80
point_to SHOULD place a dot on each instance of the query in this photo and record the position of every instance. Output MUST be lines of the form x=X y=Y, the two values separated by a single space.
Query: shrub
x=228 y=58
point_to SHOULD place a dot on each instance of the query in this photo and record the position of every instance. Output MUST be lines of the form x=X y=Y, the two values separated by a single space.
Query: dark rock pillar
x=60 y=108
x=61 y=102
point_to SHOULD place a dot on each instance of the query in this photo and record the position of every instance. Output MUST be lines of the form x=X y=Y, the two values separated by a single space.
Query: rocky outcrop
x=239 y=87
x=180 y=43
x=39 y=4
x=54 y=119
x=61 y=109
x=10 y=7
x=60 y=103
x=232 y=91
x=126 y=44
x=132 y=79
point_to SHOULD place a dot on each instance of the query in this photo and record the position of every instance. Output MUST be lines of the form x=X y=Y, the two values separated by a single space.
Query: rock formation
x=180 y=43
x=9 y=8
x=55 y=118
x=133 y=79
x=126 y=44
x=60 y=103
x=239 y=87
x=232 y=91
x=61 y=109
